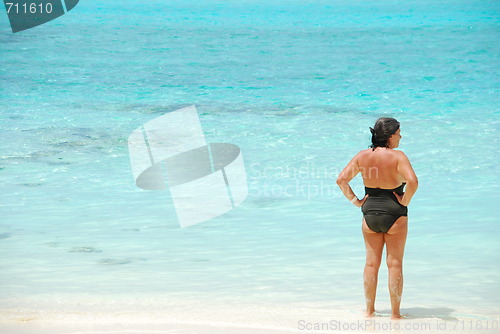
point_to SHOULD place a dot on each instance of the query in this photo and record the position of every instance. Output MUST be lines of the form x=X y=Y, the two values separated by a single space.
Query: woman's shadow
x=442 y=313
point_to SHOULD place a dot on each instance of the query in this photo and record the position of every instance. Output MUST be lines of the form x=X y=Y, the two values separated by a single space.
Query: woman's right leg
x=395 y=240
x=374 y=243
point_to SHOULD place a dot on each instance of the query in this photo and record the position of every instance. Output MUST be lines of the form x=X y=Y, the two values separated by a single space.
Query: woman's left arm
x=349 y=172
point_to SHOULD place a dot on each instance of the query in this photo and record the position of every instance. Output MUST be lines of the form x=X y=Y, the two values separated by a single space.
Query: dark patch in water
x=4 y=235
x=41 y=154
x=68 y=144
x=85 y=250
x=33 y=156
x=164 y=110
x=132 y=229
x=31 y=184
x=57 y=163
x=114 y=261
x=144 y=108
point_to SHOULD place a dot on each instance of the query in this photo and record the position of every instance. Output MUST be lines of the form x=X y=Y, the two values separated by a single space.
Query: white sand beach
x=204 y=317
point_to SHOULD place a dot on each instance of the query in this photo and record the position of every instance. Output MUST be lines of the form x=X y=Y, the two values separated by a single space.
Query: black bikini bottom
x=382 y=209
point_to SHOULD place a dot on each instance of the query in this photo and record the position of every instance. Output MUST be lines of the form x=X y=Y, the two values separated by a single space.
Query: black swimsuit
x=382 y=209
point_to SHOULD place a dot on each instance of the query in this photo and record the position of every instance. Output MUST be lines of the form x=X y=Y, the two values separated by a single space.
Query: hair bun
x=382 y=131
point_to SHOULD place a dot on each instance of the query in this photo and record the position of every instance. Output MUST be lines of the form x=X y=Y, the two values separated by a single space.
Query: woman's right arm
x=406 y=170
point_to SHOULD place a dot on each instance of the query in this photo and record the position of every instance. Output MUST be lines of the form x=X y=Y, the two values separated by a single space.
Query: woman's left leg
x=374 y=243
x=395 y=240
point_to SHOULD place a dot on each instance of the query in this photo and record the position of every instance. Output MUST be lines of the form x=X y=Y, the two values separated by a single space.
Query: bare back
x=379 y=168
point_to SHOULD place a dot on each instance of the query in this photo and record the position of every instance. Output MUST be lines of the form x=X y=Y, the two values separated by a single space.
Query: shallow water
x=296 y=87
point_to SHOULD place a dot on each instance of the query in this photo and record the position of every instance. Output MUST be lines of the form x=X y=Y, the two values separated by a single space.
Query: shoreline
x=207 y=317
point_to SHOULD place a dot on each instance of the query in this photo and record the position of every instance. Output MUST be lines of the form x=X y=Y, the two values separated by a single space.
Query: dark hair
x=383 y=129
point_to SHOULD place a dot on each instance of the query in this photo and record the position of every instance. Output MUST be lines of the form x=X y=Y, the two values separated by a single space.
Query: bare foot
x=369 y=313
x=398 y=316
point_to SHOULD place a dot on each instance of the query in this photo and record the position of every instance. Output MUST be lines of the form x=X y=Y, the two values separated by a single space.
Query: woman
x=385 y=172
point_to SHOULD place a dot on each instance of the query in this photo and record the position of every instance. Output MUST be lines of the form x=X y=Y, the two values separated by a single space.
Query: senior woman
x=385 y=173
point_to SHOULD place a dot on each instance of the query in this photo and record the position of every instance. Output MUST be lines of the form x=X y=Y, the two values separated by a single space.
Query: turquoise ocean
x=295 y=85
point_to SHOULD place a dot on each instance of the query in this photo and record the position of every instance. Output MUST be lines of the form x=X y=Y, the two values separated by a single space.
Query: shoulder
x=361 y=154
x=400 y=155
x=364 y=152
